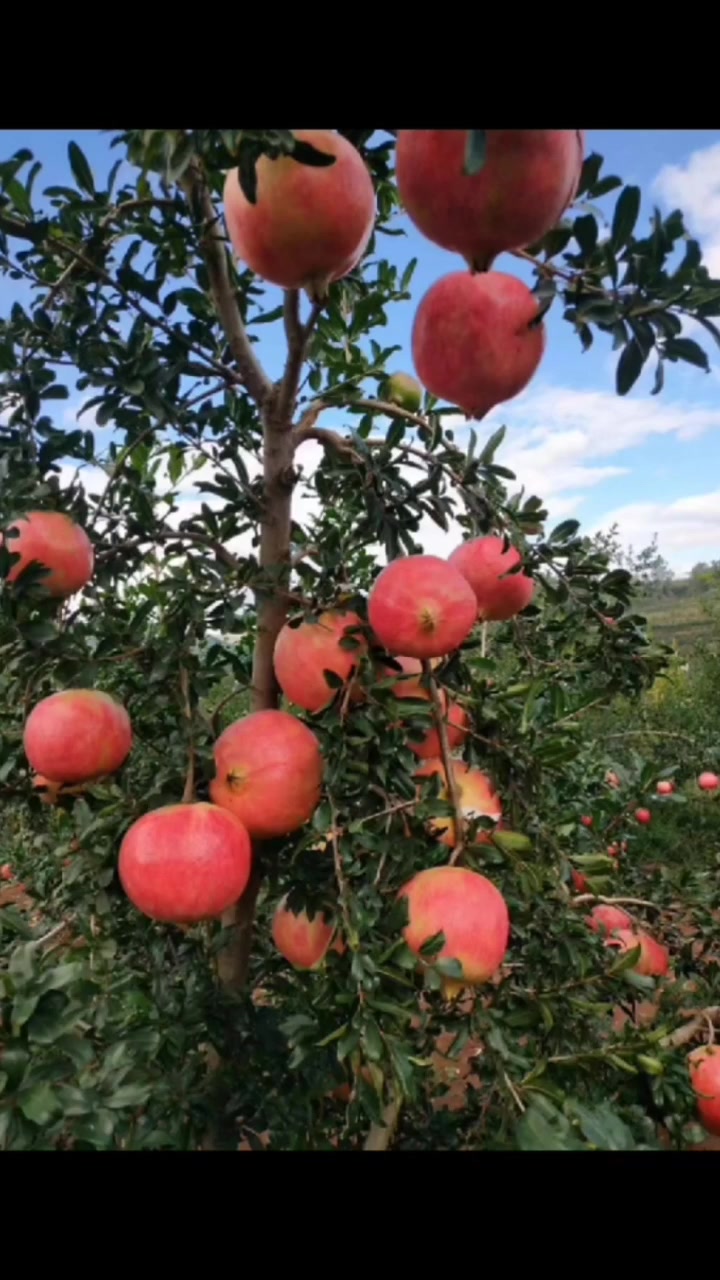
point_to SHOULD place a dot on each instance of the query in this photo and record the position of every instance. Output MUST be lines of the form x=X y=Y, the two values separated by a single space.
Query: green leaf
x=81 y=169
x=475 y=152
x=538 y=1131
x=40 y=1105
x=129 y=1095
x=602 y=1127
x=629 y=367
x=625 y=217
x=687 y=350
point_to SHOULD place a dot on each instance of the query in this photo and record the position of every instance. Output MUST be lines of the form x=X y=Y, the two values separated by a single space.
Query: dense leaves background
x=117 y=1032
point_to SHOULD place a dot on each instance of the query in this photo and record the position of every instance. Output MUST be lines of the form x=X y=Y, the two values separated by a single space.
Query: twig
x=53 y=933
x=189 y=788
x=381 y=1135
x=518 y=1100
x=340 y=873
x=298 y=335
x=214 y=251
x=685 y=1034
x=454 y=790
x=483 y=639
x=584 y=898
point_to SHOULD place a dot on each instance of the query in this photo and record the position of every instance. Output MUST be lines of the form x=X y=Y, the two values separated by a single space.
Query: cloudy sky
x=651 y=464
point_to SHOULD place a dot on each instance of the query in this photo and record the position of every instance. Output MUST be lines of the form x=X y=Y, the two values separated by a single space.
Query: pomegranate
x=303 y=652
x=185 y=862
x=579 y=881
x=58 y=543
x=704 y=1064
x=708 y=781
x=421 y=606
x=527 y=181
x=606 y=917
x=310 y=225
x=486 y=565
x=471 y=913
x=665 y=787
x=456 y=719
x=77 y=735
x=654 y=959
x=478 y=798
x=643 y=816
x=586 y=820
x=403 y=390
x=477 y=340
x=304 y=942
x=268 y=773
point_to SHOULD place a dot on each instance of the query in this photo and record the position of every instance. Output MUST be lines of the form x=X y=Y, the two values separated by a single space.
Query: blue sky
x=650 y=463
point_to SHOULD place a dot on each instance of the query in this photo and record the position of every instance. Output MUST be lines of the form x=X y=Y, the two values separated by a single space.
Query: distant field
x=679 y=620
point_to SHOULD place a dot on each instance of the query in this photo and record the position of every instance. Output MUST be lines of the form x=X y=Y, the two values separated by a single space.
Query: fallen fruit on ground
x=404 y=390
x=304 y=942
x=708 y=781
x=528 y=179
x=477 y=340
x=471 y=913
x=310 y=224
x=704 y=1065
x=57 y=543
x=478 y=798
x=486 y=563
x=268 y=773
x=77 y=735
x=654 y=961
x=606 y=917
x=422 y=607
x=643 y=816
x=185 y=862
x=302 y=653
x=665 y=787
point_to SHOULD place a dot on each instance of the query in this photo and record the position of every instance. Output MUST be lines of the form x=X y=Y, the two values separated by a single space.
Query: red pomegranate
x=421 y=606
x=477 y=340
x=302 y=653
x=608 y=918
x=487 y=564
x=654 y=961
x=469 y=910
x=704 y=1064
x=56 y=542
x=185 y=862
x=310 y=225
x=269 y=773
x=527 y=181
x=77 y=735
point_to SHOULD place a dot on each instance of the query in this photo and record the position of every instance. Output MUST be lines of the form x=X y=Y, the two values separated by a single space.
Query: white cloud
x=687 y=527
x=695 y=188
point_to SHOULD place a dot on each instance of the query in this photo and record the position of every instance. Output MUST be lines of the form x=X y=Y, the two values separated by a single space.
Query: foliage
x=117 y=1033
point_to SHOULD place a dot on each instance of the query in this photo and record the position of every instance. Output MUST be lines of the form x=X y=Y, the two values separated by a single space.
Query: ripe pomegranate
x=477 y=340
x=643 y=816
x=310 y=225
x=302 y=653
x=410 y=685
x=422 y=607
x=665 y=787
x=606 y=917
x=6 y=871
x=77 y=735
x=613 y=850
x=528 y=179
x=704 y=1065
x=708 y=781
x=185 y=862
x=304 y=942
x=654 y=959
x=483 y=561
x=471 y=913
x=268 y=773
x=58 y=543
x=404 y=390
x=579 y=881
x=478 y=798
x=586 y=820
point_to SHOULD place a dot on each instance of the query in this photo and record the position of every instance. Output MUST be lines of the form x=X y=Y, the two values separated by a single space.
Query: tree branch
x=298 y=336
x=685 y=1034
x=454 y=790
x=381 y=1135
x=215 y=255
x=189 y=788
